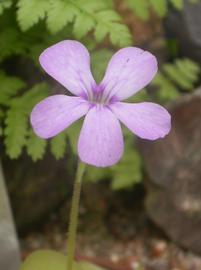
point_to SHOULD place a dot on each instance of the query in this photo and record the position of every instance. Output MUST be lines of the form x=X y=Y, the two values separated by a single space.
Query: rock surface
x=9 y=248
x=174 y=174
x=185 y=27
x=37 y=189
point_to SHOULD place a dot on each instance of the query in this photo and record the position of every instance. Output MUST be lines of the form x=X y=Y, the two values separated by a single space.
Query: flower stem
x=74 y=215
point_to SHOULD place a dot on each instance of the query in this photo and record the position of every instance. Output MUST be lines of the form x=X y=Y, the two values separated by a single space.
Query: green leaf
x=140 y=8
x=177 y=76
x=178 y=4
x=4 y=4
x=167 y=91
x=83 y=24
x=100 y=32
x=15 y=131
x=118 y=32
x=30 y=12
x=11 y=43
x=128 y=171
x=73 y=132
x=17 y=117
x=94 y=174
x=36 y=147
x=140 y=96
x=52 y=260
x=59 y=145
x=99 y=61
x=9 y=87
x=59 y=14
x=159 y=6
x=91 y=6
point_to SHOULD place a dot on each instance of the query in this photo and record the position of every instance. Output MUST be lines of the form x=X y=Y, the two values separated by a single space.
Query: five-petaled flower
x=101 y=141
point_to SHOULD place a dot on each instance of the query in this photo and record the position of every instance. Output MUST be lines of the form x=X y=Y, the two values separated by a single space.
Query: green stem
x=74 y=215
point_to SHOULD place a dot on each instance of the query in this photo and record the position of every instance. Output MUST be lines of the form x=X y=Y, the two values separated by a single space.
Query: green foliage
x=9 y=87
x=59 y=145
x=175 y=78
x=30 y=12
x=35 y=146
x=128 y=171
x=51 y=260
x=4 y=4
x=73 y=133
x=16 y=132
x=84 y=15
x=99 y=61
x=142 y=8
x=41 y=23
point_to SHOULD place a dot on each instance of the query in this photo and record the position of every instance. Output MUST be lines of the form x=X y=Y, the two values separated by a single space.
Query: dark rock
x=185 y=27
x=9 y=248
x=173 y=165
x=37 y=188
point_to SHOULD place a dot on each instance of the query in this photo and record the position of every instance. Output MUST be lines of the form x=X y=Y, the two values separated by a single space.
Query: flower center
x=98 y=96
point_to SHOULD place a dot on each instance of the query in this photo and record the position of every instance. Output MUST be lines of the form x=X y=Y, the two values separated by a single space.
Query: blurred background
x=143 y=213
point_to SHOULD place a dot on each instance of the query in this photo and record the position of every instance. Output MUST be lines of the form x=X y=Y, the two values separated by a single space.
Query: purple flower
x=101 y=141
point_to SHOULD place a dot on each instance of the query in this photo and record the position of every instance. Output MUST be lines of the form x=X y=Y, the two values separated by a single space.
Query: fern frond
x=30 y=12
x=178 y=4
x=59 y=14
x=183 y=74
x=59 y=145
x=128 y=171
x=159 y=6
x=140 y=8
x=5 y=4
x=16 y=130
x=83 y=24
x=166 y=89
x=9 y=87
x=35 y=146
x=11 y=43
x=17 y=118
x=72 y=133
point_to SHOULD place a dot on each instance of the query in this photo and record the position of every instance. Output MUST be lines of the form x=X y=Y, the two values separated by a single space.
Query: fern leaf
x=178 y=4
x=99 y=61
x=34 y=95
x=187 y=70
x=128 y=171
x=140 y=8
x=91 y=6
x=83 y=24
x=17 y=118
x=94 y=174
x=59 y=14
x=118 y=32
x=159 y=6
x=15 y=131
x=100 y=32
x=177 y=76
x=4 y=4
x=11 y=43
x=35 y=147
x=59 y=145
x=167 y=91
x=73 y=133
x=30 y=12
x=9 y=88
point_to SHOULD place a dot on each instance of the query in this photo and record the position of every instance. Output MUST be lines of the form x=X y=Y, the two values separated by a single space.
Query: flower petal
x=147 y=120
x=101 y=140
x=68 y=62
x=53 y=114
x=129 y=70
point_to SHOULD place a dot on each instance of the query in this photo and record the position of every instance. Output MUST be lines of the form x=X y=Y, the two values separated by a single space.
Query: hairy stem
x=74 y=215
